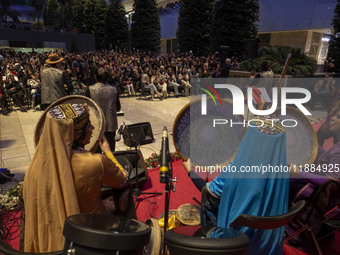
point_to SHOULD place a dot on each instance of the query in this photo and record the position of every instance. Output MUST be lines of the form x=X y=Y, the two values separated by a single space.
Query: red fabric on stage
x=185 y=191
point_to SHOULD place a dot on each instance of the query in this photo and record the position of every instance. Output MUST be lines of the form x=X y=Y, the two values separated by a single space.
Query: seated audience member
x=146 y=83
x=171 y=80
x=79 y=88
x=63 y=178
x=3 y=100
x=158 y=80
x=205 y=73
x=232 y=194
x=16 y=91
x=127 y=83
x=183 y=78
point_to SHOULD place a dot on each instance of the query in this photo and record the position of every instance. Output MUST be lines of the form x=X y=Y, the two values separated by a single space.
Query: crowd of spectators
x=130 y=73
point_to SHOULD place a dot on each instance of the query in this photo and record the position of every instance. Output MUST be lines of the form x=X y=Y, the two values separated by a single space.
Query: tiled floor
x=17 y=129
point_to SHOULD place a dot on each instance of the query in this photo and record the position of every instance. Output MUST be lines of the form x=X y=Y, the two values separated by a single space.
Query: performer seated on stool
x=254 y=193
x=64 y=179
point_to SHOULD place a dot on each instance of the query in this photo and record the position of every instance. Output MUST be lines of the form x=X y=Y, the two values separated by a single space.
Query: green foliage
x=99 y=23
x=145 y=27
x=51 y=12
x=39 y=5
x=89 y=17
x=194 y=26
x=334 y=43
x=94 y=20
x=78 y=18
x=276 y=58
x=116 y=26
x=154 y=160
x=4 y=10
x=234 y=22
x=37 y=25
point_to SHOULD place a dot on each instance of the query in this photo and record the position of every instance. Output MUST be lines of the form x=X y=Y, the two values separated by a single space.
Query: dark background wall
x=84 y=42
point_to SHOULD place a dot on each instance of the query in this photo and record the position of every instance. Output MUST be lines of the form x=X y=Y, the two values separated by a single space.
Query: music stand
x=136 y=191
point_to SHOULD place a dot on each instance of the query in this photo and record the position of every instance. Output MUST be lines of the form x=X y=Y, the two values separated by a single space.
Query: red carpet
x=152 y=206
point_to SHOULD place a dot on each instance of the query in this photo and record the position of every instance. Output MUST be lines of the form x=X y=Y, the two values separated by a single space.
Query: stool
x=198 y=240
x=96 y=234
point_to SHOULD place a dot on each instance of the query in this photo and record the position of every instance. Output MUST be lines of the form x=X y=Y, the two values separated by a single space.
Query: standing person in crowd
x=322 y=90
x=268 y=74
x=53 y=80
x=105 y=96
x=35 y=84
x=324 y=131
x=226 y=68
x=78 y=67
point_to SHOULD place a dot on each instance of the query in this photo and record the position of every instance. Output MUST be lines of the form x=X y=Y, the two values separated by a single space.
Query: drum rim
x=157 y=235
x=310 y=128
x=42 y=118
x=182 y=220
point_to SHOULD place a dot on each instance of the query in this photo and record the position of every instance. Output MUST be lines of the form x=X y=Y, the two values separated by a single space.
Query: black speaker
x=224 y=53
x=253 y=46
x=138 y=134
x=133 y=162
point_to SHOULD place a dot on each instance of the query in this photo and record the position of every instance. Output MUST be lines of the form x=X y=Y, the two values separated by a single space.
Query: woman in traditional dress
x=63 y=178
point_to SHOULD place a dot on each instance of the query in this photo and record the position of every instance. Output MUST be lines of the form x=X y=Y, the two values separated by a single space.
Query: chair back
x=271 y=222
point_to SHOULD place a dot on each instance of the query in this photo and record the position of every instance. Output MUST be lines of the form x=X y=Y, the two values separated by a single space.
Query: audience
x=134 y=71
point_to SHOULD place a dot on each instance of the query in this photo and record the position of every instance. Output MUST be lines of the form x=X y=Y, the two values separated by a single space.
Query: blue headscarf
x=259 y=194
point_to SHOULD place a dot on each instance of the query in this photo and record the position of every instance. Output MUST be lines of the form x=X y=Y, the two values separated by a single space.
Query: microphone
x=164 y=169
x=119 y=133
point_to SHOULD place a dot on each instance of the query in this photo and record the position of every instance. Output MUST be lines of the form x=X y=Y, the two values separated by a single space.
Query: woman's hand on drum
x=104 y=144
x=187 y=165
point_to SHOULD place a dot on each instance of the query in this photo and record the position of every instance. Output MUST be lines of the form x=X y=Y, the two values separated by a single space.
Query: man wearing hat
x=53 y=80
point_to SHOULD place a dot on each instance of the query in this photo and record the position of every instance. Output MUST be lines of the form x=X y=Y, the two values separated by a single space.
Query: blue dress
x=260 y=194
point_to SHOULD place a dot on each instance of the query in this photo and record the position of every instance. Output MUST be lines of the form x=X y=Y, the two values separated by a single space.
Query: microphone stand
x=169 y=186
x=136 y=191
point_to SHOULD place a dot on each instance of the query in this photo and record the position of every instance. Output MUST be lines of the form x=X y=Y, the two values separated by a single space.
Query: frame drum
x=96 y=117
x=154 y=246
x=95 y=234
x=196 y=137
x=189 y=214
